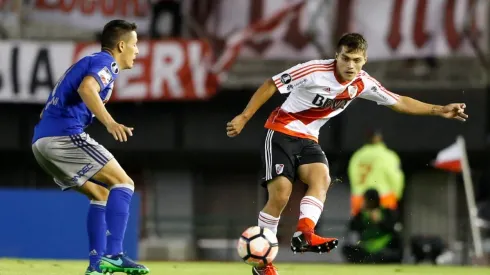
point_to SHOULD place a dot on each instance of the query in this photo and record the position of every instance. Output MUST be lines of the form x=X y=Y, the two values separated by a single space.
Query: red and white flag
x=454 y=159
x=258 y=30
x=450 y=158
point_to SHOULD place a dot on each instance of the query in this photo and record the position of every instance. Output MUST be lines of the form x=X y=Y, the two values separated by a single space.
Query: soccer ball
x=257 y=246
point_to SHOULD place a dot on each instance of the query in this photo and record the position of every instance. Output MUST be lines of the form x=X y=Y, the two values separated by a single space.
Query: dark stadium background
x=199 y=189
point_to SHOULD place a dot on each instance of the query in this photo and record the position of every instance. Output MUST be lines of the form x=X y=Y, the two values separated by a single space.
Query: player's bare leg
x=279 y=192
x=121 y=190
x=316 y=176
x=96 y=225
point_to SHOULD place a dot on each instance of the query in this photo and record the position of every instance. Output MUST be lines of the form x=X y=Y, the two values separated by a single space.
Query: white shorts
x=71 y=160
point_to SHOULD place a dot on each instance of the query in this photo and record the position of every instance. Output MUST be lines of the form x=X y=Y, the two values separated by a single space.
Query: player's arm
x=282 y=83
x=89 y=92
x=408 y=105
x=259 y=98
x=376 y=92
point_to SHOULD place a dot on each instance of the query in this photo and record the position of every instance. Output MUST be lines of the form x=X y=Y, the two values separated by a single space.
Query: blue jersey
x=65 y=113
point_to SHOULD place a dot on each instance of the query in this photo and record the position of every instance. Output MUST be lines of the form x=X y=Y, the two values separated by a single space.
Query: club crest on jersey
x=279 y=169
x=352 y=90
x=114 y=68
x=105 y=76
x=286 y=78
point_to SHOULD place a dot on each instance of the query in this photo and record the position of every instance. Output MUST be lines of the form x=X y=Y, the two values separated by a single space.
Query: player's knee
x=326 y=181
x=323 y=182
x=129 y=181
x=280 y=199
x=118 y=179
x=112 y=174
x=320 y=179
x=279 y=191
x=123 y=181
x=102 y=194
x=319 y=183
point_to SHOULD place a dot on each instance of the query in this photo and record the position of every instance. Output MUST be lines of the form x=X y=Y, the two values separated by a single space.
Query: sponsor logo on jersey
x=292 y=86
x=300 y=83
x=375 y=90
x=329 y=103
x=105 y=76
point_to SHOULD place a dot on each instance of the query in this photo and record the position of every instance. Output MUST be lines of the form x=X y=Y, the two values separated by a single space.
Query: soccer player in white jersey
x=319 y=90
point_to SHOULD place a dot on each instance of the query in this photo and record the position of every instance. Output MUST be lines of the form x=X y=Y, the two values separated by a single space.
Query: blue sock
x=96 y=228
x=117 y=215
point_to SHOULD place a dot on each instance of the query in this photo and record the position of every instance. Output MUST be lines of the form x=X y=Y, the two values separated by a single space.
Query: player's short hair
x=353 y=42
x=113 y=31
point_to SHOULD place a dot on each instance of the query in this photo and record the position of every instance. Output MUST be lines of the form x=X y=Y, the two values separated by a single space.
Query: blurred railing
x=451 y=73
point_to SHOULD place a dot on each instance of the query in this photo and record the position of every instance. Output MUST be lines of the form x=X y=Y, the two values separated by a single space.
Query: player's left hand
x=234 y=127
x=454 y=111
x=119 y=131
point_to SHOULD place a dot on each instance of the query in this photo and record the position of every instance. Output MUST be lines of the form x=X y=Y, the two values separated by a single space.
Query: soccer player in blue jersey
x=76 y=161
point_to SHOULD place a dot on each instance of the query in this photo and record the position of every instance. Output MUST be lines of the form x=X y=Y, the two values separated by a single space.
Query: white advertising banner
x=418 y=28
x=164 y=70
x=91 y=14
x=393 y=28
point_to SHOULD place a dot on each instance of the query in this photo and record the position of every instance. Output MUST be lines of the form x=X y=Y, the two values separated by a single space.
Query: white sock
x=311 y=208
x=101 y=203
x=268 y=221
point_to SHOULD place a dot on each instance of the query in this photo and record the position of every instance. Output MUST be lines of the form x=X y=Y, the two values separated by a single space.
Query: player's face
x=129 y=51
x=349 y=64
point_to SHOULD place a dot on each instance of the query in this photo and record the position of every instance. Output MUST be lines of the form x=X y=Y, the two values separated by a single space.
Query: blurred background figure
x=378 y=233
x=375 y=166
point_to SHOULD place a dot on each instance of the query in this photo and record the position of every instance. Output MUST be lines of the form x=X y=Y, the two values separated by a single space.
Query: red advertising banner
x=164 y=70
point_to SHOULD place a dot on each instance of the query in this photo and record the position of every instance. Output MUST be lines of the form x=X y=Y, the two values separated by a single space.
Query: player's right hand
x=120 y=132
x=234 y=127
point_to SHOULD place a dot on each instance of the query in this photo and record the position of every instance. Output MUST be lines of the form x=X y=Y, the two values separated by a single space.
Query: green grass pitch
x=28 y=267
